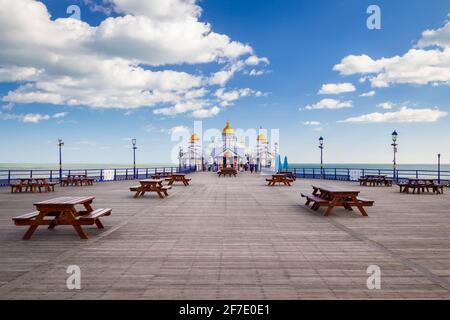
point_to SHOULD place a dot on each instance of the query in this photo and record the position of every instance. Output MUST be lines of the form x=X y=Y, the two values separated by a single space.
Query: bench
x=88 y=181
x=25 y=218
x=165 y=188
x=141 y=190
x=94 y=217
x=338 y=200
x=16 y=187
x=317 y=200
x=285 y=181
x=365 y=202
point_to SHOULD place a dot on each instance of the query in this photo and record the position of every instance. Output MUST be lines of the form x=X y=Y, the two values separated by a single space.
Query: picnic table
x=159 y=175
x=32 y=185
x=289 y=174
x=178 y=177
x=77 y=179
x=227 y=171
x=279 y=178
x=62 y=211
x=151 y=185
x=419 y=185
x=375 y=180
x=332 y=196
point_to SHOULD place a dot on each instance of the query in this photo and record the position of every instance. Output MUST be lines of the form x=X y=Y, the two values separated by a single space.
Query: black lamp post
x=133 y=141
x=321 y=154
x=439 y=168
x=394 y=146
x=60 y=145
x=180 y=156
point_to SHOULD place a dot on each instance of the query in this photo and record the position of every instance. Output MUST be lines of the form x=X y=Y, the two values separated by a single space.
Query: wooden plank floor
x=231 y=238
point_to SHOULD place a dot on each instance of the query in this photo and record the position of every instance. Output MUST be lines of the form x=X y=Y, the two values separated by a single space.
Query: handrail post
x=348 y=174
x=146 y=172
x=31 y=174
x=51 y=175
x=101 y=175
x=9 y=176
x=314 y=173
x=115 y=174
x=304 y=175
x=335 y=173
x=126 y=174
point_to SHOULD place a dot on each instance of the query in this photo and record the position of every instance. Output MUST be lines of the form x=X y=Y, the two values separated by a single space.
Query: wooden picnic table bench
x=227 y=171
x=331 y=197
x=289 y=174
x=32 y=185
x=280 y=179
x=62 y=211
x=178 y=177
x=151 y=185
x=77 y=180
x=159 y=175
x=375 y=181
x=420 y=185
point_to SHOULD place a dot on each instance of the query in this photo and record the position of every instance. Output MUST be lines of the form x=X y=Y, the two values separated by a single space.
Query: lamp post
x=321 y=154
x=439 y=168
x=258 y=155
x=180 y=155
x=60 y=145
x=133 y=141
x=394 y=146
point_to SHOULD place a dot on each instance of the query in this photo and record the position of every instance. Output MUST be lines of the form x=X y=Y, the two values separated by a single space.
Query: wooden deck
x=231 y=239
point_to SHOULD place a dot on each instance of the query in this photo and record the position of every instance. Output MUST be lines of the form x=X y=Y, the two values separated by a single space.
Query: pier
x=231 y=238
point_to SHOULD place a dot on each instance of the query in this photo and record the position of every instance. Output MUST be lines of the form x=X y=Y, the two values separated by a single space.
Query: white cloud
x=337 y=88
x=34 y=118
x=368 y=94
x=439 y=37
x=256 y=73
x=254 y=60
x=330 y=104
x=60 y=115
x=178 y=129
x=30 y=117
x=223 y=76
x=386 y=105
x=182 y=107
x=404 y=115
x=8 y=107
x=311 y=123
x=427 y=63
x=14 y=73
x=65 y=61
x=206 y=113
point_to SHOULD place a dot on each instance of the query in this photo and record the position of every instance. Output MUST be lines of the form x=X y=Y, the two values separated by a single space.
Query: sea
x=78 y=166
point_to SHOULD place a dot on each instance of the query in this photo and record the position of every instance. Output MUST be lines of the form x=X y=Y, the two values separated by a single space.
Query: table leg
x=99 y=224
x=329 y=210
x=363 y=211
x=52 y=225
x=88 y=206
x=29 y=232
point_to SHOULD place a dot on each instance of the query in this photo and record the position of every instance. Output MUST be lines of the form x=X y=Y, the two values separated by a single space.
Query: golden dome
x=194 y=137
x=261 y=137
x=228 y=129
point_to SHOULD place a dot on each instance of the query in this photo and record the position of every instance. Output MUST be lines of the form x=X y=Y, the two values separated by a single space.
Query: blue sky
x=259 y=63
